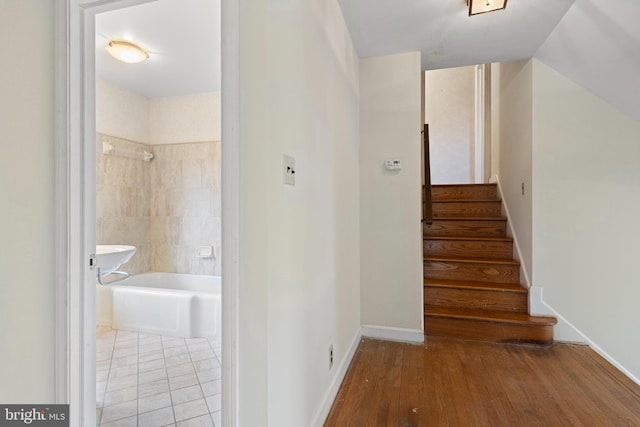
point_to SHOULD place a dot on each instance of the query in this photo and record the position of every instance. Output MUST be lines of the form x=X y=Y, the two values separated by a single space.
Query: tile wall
x=122 y=201
x=167 y=208
x=185 y=207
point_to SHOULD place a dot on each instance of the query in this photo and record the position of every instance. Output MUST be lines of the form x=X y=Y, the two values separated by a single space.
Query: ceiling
x=182 y=37
x=445 y=34
x=596 y=45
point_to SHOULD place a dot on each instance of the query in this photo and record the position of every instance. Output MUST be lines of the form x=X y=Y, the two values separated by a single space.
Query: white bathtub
x=181 y=305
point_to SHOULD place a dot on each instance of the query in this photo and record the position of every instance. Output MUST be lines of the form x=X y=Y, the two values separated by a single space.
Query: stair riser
x=466 y=228
x=471 y=298
x=479 y=249
x=460 y=193
x=468 y=209
x=487 y=331
x=481 y=272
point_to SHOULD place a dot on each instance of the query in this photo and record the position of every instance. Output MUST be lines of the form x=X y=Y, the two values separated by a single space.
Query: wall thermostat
x=393 y=164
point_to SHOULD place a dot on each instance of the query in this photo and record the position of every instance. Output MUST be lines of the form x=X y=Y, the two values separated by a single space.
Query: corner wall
x=586 y=207
x=27 y=291
x=514 y=137
x=299 y=247
x=390 y=201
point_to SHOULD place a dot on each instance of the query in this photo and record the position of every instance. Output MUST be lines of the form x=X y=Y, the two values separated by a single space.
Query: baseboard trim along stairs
x=472 y=284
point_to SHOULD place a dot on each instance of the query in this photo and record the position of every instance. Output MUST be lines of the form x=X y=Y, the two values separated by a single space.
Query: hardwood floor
x=455 y=383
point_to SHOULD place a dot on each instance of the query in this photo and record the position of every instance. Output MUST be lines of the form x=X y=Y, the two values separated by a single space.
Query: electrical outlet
x=331 y=356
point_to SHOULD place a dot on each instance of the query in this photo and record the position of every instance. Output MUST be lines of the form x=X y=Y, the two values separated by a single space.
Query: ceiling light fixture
x=477 y=7
x=127 y=51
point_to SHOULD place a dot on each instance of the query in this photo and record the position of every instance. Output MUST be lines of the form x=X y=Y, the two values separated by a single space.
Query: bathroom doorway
x=75 y=275
x=158 y=189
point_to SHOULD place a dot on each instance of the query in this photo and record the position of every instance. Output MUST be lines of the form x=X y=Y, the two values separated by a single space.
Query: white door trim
x=75 y=343
x=479 y=124
x=75 y=205
x=231 y=211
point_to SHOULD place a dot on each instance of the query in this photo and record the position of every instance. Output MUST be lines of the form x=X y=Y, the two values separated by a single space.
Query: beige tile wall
x=166 y=208
x=122 y=201
x=185 y=207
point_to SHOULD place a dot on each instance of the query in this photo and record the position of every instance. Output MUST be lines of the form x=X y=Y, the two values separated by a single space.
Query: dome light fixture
x=477 y=7
x=126 y=51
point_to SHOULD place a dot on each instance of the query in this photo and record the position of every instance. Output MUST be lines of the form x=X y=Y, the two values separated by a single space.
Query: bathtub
x=180 y=305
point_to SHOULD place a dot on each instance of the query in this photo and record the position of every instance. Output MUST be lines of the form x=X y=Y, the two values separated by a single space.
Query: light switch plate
x=393 y=164
x=288 y=170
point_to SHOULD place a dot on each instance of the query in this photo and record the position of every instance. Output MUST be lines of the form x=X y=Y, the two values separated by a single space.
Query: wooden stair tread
x=474 y=285
x=473 y=238
x=468 y=218
x=489 y=316
x=461 y=185
x=464 y=192
x=478 y=200
x=478 y=246
x=502 y=261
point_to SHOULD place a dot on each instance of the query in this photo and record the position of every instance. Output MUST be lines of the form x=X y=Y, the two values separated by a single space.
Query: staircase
x=472 y=285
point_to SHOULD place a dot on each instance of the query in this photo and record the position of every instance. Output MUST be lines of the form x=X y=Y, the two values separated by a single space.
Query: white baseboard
x=331 y=393
x=566 y=332
x=611 y=360
x=413 y=336
x=563 y=331
x=523 y=268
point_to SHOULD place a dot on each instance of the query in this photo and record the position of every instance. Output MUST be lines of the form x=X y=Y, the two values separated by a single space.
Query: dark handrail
x=427 y=207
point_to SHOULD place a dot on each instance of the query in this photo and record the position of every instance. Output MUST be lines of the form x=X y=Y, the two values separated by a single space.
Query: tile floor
x=145 y=380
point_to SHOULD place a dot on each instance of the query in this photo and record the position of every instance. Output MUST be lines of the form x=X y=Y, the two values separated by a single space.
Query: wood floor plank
x=449 y=382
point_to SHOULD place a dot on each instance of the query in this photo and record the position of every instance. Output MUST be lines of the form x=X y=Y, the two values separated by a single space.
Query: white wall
x=514 y=139
x=185 y=118
x=390 y=202
x=170 y=120
x=450 y=113
x=122 y=113
x=26 y=190
x=586 y=170
x=299 y=246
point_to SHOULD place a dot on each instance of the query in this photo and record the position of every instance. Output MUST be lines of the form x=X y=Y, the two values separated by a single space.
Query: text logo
x=34 y=415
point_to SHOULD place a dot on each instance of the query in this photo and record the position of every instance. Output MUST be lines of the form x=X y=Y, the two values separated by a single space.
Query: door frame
x=75 y=204
x=479 y=124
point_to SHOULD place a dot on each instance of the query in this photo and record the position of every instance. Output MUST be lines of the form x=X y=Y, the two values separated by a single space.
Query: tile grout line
x=195 y=372
x=164 y=362
x=200 y=382
x=106 y=383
